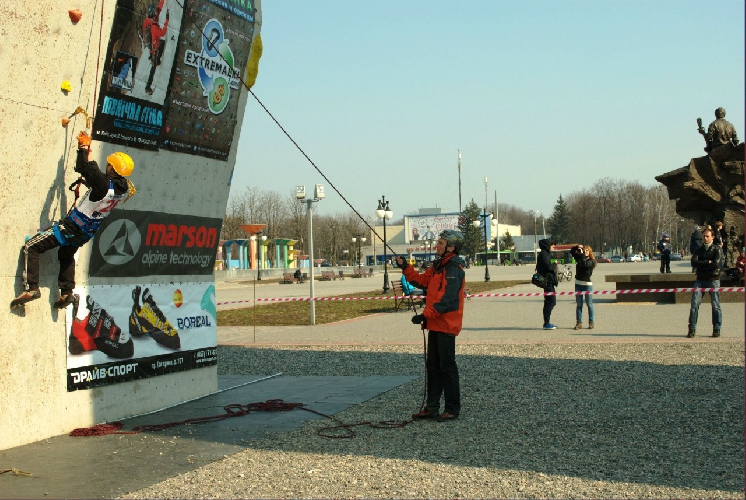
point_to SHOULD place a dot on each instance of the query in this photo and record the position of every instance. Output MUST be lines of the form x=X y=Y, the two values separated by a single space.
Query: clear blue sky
x=542 y=97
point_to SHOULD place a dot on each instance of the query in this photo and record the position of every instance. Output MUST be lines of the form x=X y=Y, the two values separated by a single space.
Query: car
x=602 y=259
x=635 y=258
x=325 y=264
x=676 y=256
x=617 y=258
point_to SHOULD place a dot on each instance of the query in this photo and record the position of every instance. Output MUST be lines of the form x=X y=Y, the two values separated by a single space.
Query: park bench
x=286 y=278
x=327 y=276
x=403 y=299
x=302 y=278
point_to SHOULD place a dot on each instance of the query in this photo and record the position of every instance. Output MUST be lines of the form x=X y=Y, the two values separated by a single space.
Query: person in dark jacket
x=443 y=315
x=664 y=246
x=105 y=192
x=706 y=262
x=585 y=263
x=545 y=268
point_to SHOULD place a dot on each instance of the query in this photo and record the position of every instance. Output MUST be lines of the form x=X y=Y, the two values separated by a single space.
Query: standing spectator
x=706 y=262
x=664 y=246
x=443 y=315
x=721 y=239
x=545 y=268
x=695 y=241
x=585 y=263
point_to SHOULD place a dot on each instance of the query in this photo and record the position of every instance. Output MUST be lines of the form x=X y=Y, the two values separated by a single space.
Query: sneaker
x=590 y=325
x=425 y=414
x=549 y=326
x=99 y=331
x=64 y=300
x=691 y=333
x=578 y=326
x=716 y=332
x=447 y=417
x=148 y=319
x=26 y=296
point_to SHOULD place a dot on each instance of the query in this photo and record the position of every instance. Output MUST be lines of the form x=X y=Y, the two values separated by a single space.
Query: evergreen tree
x=559 y=223
x=473 y=236
x=506 y=242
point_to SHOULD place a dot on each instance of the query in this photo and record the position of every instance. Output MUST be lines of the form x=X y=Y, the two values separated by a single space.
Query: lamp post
x=534 y=212
x=384 y=213
x=263 y=238
x=484 y=216
x=359 y=239
x=300 y=195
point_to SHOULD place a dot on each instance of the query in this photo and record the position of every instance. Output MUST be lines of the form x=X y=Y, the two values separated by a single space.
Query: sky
x=543 y=98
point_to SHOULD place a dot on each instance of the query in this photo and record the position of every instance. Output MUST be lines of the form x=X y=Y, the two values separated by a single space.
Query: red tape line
x=733 y=289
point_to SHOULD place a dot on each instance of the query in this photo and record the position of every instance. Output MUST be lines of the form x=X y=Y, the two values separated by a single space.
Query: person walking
x=706 y=263
x=442 y=317
x=585 y=263
x=545 y=268
x=664 y=246
x=105 y=192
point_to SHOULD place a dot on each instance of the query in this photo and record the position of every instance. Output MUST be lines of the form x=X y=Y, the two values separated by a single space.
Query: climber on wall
x=105 y=192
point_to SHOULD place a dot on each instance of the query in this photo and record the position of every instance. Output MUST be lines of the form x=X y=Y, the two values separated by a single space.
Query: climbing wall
x=165 y=86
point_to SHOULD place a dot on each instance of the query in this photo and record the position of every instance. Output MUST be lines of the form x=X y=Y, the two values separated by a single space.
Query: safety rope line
x=486 y=295
x=240 y=410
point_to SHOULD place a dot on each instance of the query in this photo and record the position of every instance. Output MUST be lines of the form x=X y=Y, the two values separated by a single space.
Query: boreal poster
x=172 y=75
x=202 y=106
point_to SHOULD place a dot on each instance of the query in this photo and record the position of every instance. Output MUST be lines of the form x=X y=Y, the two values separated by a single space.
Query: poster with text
x=420 y=228
x=202 y=107
x=127 y=332
x=137 y=71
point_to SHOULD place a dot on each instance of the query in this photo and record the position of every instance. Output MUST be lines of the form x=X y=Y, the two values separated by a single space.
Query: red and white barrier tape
x=735 y=289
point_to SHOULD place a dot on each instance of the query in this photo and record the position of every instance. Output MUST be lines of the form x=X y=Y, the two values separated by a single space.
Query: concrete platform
x=669 y=280
x=111 y=465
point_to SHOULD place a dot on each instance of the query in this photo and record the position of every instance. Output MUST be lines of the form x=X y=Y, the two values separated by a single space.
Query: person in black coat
x=706 y=262
x=545 y=268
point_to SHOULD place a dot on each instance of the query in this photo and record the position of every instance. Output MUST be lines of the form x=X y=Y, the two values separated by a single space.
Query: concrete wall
x=41 y=48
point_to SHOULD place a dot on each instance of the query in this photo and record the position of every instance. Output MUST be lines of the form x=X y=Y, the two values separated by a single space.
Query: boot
x=578 y=325
x=590 y=325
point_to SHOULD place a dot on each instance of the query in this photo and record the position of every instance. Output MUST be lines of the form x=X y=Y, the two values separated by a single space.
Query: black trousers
x=44 y=241
x=665 y=263
x=549 y=302
x=442 y=373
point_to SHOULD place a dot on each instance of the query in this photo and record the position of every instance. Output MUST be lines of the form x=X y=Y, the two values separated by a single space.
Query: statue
x=719 y=133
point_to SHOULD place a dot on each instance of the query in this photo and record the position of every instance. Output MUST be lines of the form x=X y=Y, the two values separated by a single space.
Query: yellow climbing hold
x=66 y=86
x=252 y=68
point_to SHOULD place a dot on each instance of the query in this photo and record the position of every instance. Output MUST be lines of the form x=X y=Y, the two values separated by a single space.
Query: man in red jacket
x=153 y=36
x=443 y=315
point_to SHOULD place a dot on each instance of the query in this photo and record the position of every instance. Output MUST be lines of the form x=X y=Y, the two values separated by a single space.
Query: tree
x=506 y=242
x=473 y=236
x=559 y=222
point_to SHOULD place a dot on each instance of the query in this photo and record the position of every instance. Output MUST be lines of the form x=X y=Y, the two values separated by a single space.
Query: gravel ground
x=544 y=420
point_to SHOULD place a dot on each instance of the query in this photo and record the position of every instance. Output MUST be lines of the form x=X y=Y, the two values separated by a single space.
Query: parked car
x=617 y=258
x=676 y=256
x=635 y=258
x=603 y=259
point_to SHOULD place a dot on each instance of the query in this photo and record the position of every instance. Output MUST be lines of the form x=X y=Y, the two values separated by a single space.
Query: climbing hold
x=66 y=86
x=252 y=68
x=65 y=122
x=75 y=15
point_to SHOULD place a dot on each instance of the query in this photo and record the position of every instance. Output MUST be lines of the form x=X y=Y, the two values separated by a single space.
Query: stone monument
x=711 y=187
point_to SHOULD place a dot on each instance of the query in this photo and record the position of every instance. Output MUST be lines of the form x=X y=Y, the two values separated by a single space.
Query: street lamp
x=535 y=213
x=384 y=213
x=359 y=241
x=300 y=195
x=484 y=216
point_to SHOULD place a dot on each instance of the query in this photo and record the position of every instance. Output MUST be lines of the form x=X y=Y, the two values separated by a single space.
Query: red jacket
x=444 y=304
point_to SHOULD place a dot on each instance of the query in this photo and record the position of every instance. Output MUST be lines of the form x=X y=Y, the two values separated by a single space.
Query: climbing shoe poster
x=128 y=332
x=172 y=75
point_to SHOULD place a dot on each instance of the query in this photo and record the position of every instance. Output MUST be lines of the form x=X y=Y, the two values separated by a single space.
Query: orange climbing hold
x=75 y=15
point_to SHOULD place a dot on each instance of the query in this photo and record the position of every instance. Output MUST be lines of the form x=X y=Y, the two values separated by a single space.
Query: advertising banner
x=137 y=71
x=172 y=76
x=133 y=243
x=128 y=332
x=419 y=228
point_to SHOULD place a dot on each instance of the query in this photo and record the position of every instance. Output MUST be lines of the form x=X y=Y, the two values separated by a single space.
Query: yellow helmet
x=122 y=163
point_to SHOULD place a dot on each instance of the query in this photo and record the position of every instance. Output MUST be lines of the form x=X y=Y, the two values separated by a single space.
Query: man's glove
x=418 y=319
x=401 y=263
x=84 y=140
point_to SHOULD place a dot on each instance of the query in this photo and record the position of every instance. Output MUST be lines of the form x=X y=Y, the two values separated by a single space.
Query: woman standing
x=585 y=264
